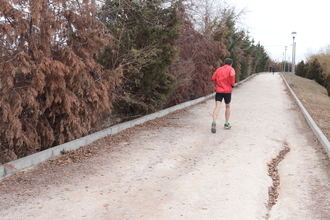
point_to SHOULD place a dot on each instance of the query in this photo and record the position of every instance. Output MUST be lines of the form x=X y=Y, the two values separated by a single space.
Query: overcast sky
x=271 y=23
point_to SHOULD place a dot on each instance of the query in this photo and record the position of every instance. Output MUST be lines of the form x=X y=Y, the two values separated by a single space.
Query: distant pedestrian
x=224 y=79
x=273 y=69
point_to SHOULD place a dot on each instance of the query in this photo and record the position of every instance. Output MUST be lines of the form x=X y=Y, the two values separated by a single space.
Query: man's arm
x=214 y=76
x=232 y=77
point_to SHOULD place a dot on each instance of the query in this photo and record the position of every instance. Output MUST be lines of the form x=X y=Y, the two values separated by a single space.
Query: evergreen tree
x=327 y=83
x=145 y=32
x=261 y=59
x=248 y=58
x=301 y=69
x=315 y=71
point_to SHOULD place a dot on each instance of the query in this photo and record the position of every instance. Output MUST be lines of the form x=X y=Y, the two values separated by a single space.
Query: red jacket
x=224 y=78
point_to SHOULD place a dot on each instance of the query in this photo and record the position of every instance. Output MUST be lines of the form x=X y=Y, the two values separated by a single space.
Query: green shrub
x=301 y=69
x=315 y=72
x=328 y=84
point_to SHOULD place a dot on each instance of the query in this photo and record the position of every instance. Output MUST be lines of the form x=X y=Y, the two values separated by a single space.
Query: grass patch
x=315 y=99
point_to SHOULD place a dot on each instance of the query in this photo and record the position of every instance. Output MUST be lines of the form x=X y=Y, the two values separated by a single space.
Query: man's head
x=228 y=61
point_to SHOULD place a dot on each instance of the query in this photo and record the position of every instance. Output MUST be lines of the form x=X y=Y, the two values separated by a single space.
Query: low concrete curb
x=246 y=79
x=37 y=158
x=312 y=124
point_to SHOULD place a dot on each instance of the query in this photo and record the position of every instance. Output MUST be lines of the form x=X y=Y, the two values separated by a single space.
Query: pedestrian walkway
x=175 y=168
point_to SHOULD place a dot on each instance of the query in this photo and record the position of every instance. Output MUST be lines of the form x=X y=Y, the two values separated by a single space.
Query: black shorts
x=225 y=96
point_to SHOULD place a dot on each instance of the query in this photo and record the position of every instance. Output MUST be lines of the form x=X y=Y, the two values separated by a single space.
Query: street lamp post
x=282 y=64
x=293 y=52
x=285 y=57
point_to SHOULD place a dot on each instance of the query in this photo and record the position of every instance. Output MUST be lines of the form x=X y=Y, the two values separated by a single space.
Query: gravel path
x=175 y=168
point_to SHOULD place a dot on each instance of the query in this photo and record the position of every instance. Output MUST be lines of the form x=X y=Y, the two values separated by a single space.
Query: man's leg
x=227 y=114
x=215 y=115
x=216 y=110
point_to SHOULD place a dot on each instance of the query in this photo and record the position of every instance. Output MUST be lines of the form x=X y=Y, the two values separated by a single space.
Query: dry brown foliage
x=51 y=88
x=198 y=57
x=324 y=59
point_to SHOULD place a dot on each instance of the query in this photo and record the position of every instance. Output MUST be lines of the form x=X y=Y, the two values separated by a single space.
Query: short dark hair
x=228 y=61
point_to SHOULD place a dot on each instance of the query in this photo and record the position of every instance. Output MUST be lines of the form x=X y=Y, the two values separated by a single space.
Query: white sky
x=271 y=23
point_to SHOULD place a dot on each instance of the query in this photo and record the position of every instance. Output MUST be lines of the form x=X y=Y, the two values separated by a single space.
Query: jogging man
x=224 y=78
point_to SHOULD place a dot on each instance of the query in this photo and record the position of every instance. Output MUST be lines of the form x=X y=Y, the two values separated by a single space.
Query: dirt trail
x=175 y=168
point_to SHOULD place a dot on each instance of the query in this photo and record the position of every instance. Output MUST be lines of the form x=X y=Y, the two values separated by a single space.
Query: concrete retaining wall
x=37 y=158
x=312 y=124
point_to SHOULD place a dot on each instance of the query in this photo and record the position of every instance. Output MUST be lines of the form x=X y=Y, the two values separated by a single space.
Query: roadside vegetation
x=69 y=68
x=312 y=85
x=315 y=99
x=316 y=68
